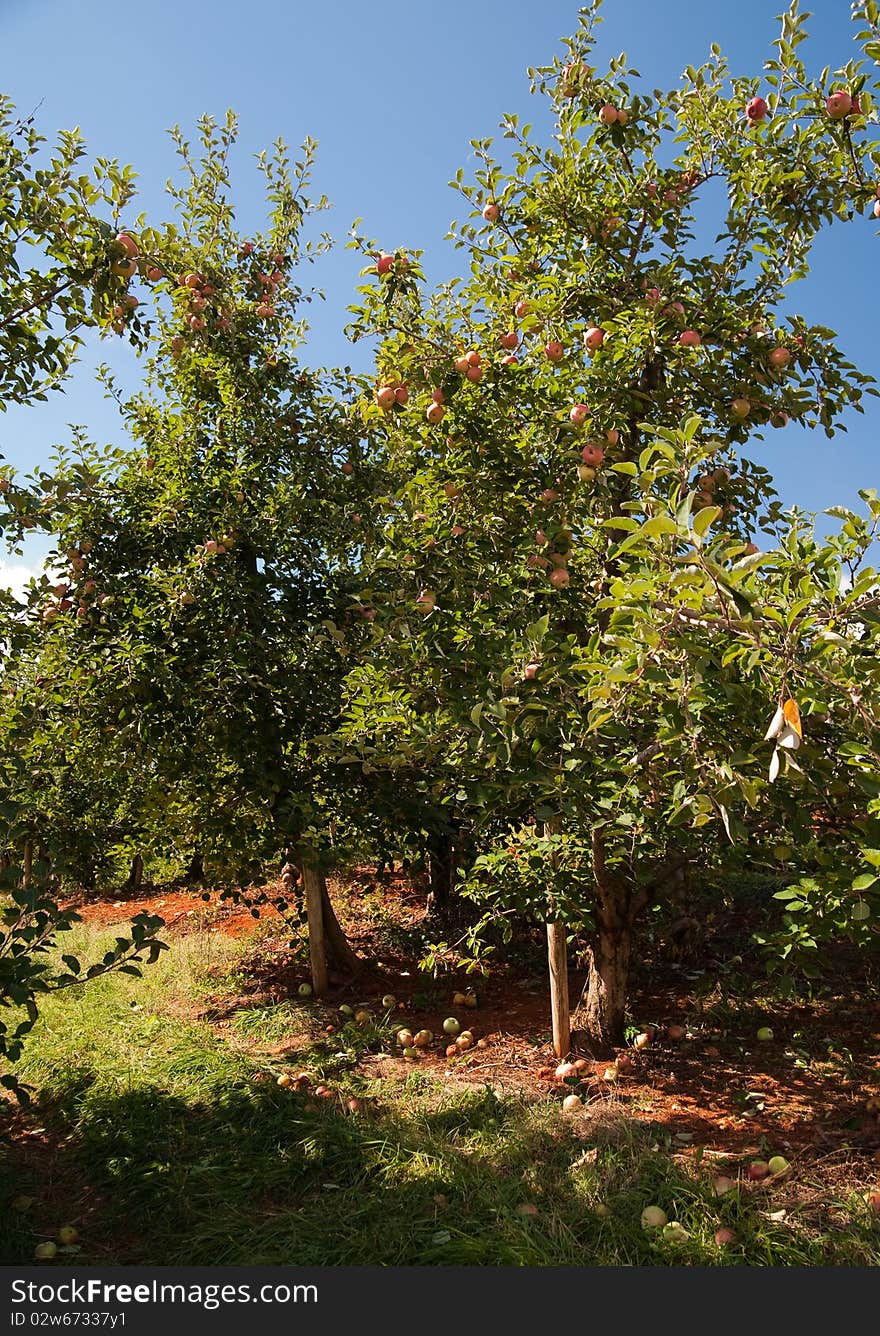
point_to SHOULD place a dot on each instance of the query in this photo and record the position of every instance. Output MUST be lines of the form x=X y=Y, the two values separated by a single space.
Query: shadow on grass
x=250 y=1173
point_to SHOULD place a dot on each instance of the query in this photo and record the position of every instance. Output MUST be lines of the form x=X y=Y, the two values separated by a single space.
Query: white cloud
x=15 y=575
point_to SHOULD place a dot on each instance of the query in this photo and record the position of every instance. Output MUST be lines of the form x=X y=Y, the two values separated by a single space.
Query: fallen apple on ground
x=654 y=1217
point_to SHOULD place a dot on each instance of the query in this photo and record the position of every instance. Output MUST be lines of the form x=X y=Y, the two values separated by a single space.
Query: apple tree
x=207 y=573
x=584 y=588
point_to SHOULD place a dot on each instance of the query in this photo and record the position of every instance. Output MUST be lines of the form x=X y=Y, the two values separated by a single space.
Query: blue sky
x=394 y=93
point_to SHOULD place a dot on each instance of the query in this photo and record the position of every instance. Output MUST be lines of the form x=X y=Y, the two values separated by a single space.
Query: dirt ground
x=718 y=1088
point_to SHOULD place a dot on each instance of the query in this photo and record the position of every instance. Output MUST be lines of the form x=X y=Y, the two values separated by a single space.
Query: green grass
x=167 y=1142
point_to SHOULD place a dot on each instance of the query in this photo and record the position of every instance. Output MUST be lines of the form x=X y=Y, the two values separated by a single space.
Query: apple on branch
x=838 y=106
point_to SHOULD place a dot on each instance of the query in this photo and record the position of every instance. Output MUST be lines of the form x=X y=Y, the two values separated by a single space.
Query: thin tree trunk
x=312 y=886
x=441 y=869
x=27 y=864
x=557 y=955
x=136 y=874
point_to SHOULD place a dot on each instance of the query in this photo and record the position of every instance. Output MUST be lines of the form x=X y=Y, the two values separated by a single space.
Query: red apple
x=510 y=360
x=593 y=454
x=154 y=274
x=128 y=244
x=876 y=209
x=741 y=407
x=724 y=1236
x=838 y=105
x=348 y=468
x=386 y=396
x=124 y=268
x=491 y=212
x=622 y=116
x=594 y=337
x=756 y=109
x=559 y=577
x=608 y=114
x=435 y=413
x=522 y=308
x=579 y=414
x=779 y=357
x=757 y=1170
x=689 y=338
x=509 y=340
x=554 y=351
x=384 y=264
x=401 y=394
x=437 y=395
x=612 y=436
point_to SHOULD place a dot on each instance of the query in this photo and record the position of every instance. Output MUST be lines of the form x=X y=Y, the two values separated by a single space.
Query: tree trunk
x=27 y=864
x=312 y=886
x=195 y=872
x=557 y=955
x=557 y=959
x=602 y=1013
x=337 y=945
x=136 y=874
x=441 y=871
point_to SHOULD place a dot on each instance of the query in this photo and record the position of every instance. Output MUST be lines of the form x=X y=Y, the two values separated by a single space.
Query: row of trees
x=526 y=587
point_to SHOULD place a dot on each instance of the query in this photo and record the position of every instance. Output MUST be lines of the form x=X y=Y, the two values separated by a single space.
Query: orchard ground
x=159 y=1131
